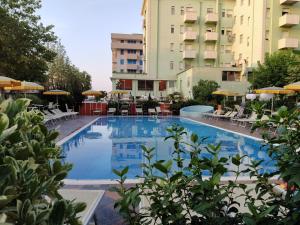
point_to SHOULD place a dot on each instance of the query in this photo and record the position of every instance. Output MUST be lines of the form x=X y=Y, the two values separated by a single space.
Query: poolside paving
x=105 y=212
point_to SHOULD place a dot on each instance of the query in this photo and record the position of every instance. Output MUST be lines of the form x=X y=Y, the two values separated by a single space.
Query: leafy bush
x=204 y=89
x=177 y=192
x=31 y=170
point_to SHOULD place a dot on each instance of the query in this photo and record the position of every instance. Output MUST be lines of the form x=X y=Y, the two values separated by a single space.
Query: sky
x=84 y=28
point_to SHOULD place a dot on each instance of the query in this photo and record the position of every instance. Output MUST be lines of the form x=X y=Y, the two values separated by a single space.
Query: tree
x=31 y=170
x=202 y=92
x=23 y=41
x=64 y=75
x=279 y=69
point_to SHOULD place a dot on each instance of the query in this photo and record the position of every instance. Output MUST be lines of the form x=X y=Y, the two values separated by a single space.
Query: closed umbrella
x=56 y=93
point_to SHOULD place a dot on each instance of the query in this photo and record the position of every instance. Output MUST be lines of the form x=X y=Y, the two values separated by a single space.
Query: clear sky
x=84 y=27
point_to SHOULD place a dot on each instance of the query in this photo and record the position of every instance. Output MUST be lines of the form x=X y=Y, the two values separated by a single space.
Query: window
x=122 y=41
x=141 y=62
x=222 y=31
x=267 y=35
x=131 y=71
x=248 y=41
x=181 y=65
x=285 y=11
x=145 y=85
x=122 y=61
x=242 y=20
x=229 y=13
x=171 y=84
x=122 y=51
x=121 y=70
x=223 y=13
x=131 y=51
x=182 y=10
x=171 y=47
x=171 y=65
x=131 y=41
x=173 y=10
x=131 y=61
x=141 y=52
x=181 y=47
x=124 y=85
x=249 y=2
x=231 y=76
x=141 y=42
x=210 y=10
x=181 y=29
x=162 y=85
x=268 y=12
x=172 y=29
x=241 y=38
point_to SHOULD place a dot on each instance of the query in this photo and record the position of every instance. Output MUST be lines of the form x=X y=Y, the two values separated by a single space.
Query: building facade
x=221 y=40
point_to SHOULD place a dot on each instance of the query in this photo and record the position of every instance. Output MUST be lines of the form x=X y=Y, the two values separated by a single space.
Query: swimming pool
x=115 y=142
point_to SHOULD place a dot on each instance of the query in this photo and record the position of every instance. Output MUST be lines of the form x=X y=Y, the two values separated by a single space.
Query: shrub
x=31 y=170
x=204 y=89
x=179 y=193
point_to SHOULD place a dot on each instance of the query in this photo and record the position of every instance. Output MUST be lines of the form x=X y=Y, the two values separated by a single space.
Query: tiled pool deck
x=105 y=213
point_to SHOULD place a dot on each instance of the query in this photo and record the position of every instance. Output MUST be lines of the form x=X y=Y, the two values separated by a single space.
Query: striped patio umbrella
x=56 y=93
x=26 y=86
x=92 y=93
x=226 y=93
x=293 y=86
x=8 y=82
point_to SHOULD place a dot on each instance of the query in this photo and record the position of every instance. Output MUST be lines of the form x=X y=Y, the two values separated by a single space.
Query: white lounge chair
x=139 y=111
x=228 y=115
x=90 y=197
x=151 y=112
x=111 y=111
x=158 y=110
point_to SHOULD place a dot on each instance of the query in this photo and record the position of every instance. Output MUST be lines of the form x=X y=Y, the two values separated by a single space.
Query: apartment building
x=127 y=59
x=220 y=40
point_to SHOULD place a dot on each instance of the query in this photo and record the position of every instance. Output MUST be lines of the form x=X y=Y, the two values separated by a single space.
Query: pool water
x=115 y=142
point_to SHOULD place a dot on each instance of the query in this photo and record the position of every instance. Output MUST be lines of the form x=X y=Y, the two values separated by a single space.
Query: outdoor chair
x=228 y=115
x=151 y=112
x=111 y=111
x=139 y=111
x=158 y=110
x=243 y=122
x=124 y=112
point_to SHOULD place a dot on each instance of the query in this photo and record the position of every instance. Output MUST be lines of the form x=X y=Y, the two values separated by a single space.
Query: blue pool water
x=115 y=142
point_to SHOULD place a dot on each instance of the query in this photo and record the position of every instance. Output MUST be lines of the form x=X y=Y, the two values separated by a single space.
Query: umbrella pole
x=272 y=106
x=56 y=101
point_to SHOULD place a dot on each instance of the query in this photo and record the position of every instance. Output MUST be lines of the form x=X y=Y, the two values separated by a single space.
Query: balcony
x=288 y=2
x=190 y=17
x=132 y=67
x=209 y=54
x=189 y=54
x=119 y=45
x=190 y=36
x=211 y=18
x=132 y=56
x=289 y=20
x=286 y=43
x=211 y=36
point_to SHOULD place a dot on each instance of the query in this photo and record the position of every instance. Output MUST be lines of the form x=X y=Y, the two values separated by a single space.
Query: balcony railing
x=288 y=43
x=119 y=45
x=288 y=2
x=289 y=20
x=209 y=54
x=211 y=36
x=189 y=54
x=190 y=17
x=189 y=36
x=211 y=18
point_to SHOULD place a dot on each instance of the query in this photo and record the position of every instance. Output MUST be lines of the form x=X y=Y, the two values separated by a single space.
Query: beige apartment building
x=221 y=40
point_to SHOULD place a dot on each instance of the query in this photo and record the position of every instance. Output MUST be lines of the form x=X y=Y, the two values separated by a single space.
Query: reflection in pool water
x=115 y=142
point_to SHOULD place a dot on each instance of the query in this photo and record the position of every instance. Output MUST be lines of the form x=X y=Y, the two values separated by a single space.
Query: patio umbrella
x=92 y=93
x=293 y=86
x=25 y=86
x=56 y=93
x=273 y=90
x=8 y=82
x=226 y=93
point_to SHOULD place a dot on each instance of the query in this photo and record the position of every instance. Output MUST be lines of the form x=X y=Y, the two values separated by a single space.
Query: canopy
x=226 y=93
x=26 y=86
x=8 y=82
x=273 y=90
x=92 y=93
x=293 y=86
x=56 y=92
x=119 y=92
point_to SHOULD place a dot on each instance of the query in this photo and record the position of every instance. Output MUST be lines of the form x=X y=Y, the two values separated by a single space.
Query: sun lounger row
x=139 y=111
x=54 y=115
